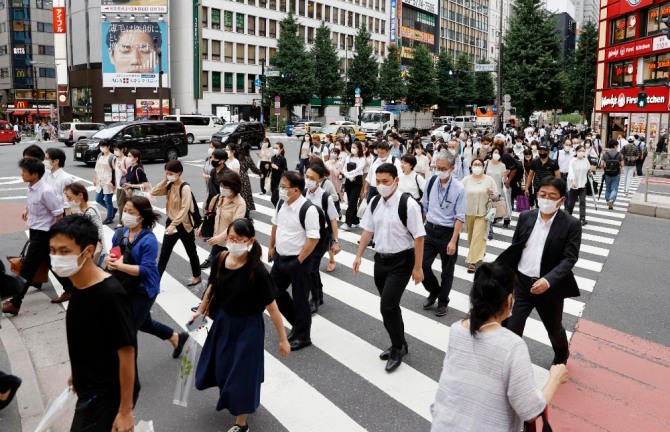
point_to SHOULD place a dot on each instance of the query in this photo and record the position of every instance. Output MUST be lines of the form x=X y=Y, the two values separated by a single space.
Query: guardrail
x=650 y=171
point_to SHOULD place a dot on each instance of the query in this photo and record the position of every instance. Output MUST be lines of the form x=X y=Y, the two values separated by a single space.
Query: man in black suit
x=545 y=248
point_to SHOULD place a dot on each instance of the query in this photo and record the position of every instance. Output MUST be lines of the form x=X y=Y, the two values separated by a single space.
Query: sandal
x=331 y=266
x=472 y=268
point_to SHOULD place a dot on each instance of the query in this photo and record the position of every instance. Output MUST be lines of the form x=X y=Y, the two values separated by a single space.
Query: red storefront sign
x=625 y=100
x=59 y=19
x=626 y=6
x=632 y=49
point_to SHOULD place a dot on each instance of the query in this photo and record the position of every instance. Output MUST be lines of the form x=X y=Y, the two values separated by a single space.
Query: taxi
x=7 y=133
x=339 y=131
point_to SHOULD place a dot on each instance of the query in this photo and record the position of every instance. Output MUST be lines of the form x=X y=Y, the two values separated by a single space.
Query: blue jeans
x=611 y=187
x=142 y=316
x=105 y=200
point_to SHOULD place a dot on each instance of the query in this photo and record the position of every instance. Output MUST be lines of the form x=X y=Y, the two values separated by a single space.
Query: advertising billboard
x=129 y=6
x=130 y=53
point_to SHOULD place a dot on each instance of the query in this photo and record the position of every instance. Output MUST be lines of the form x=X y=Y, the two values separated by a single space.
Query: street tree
x=363 y=69
x=326 y=67
x=581 y=73
x=445 y=82
x=484 y=88
x=464 y=88
x=531 y=71
x=296 y=82
x=391 y=86
x=421 y=84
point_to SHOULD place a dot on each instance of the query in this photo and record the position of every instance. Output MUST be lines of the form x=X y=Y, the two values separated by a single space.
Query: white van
x=464 y=122
x=198 y=127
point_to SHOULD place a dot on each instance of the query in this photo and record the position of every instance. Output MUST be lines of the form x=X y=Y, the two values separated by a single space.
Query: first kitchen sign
x=625 y=100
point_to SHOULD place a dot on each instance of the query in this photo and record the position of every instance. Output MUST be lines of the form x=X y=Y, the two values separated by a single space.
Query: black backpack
x=402 y=207
x=612 y=164
x=194 y=216
x=325 y=230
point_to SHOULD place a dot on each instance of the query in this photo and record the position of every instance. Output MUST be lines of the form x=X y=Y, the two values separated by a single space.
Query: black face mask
x=215 y=163
x=544 y=155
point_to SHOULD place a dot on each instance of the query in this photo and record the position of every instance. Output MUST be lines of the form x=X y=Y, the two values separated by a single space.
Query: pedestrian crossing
x=353 y=392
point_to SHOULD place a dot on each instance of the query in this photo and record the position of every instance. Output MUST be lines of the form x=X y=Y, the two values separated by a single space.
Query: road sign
x=277 y=110
x=357 y=91
x=257 y=83
x=271 y=73
x=506 y=114
x=485 y=67
x=277 y=99
x=494 y=109
x=358 y=101
x=508 y=105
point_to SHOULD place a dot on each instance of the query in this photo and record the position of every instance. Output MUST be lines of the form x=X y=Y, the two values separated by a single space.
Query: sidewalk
x=657 y=200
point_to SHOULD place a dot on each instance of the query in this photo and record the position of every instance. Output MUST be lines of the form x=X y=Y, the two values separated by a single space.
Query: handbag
x=16 y=263
x=522 y=203
x=499 y=206
x=209 y=219
x=214 y=305
x=532 y=427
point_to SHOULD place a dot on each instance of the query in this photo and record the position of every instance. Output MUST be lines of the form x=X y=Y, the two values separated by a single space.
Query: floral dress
x=247 y=164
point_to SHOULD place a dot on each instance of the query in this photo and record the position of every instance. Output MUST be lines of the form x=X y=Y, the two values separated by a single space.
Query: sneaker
x=584 y=222
x=238 y=428
x=344 y=227
x=610 y=205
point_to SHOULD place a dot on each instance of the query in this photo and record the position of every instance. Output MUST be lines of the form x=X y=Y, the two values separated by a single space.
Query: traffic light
x=666 y=31
x=642 y=100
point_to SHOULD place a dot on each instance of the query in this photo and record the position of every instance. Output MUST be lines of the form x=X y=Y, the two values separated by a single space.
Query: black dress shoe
x=395 y=359
x=14 y=386
x=430 y=301
x=205 y=264
x=290 y=336
x=107 y=221
x=441 y=310
x=313 y=306
x=181 y=341
x=297 y=344
x=386 y=354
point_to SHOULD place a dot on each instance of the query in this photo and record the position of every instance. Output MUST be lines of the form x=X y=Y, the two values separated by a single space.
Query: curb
x=648 y=208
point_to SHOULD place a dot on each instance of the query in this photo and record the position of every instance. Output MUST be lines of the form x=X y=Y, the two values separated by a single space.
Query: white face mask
x=354 y=151
x=476 y=170
x=443 y=175
x=385 y=190
x=567 y=149
x=210 y=151
x=171 y=178
x=74 y=205
x=452 y=151
x=310 y=184
x=496 y=157
x=66 y=265
x=580 y=155
x=225 y=192
x=518 y=145
x=131 y=221
x=283 y=193
x=275 y=152
x=118 y=153
x=588 y=145
x=547 y=206
x=533 y=147
x=47 y=165
x=237 y=249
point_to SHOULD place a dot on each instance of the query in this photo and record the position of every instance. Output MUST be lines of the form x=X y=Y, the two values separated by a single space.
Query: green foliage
x=326 y=67
x=391 y=87
x=484 y=88
x=421 y=85
x=363 y=68
x=531 y=71
x=580 y=77
x=296 y=83
x=445 y=82
x=464 y=87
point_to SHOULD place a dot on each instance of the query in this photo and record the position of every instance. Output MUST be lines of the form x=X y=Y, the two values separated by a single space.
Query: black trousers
x=564 y=176
x=95 y=414
x=578 y=194
x=36 y=253
x=288 y=271
x=435 y=243
x=142 y=316
x=188 y=240
x=316 y=287
x=353 y=190
x=638 y=166
x=264 y=173
x=391 y=276
x=549 y=309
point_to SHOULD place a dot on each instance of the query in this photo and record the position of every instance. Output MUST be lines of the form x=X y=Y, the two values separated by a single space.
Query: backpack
x=643 y=151
x=194 y=215
x=402 y=207
x=392 y=159
x=325 y=230
x=612 y=165
x=416 y=179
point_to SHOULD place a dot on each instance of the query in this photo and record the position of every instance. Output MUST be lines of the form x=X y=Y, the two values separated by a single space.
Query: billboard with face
x=130 y=54
x=146 y=6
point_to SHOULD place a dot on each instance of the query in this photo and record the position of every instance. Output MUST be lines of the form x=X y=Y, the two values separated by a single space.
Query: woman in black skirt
x=278 y=166
x=240 y=289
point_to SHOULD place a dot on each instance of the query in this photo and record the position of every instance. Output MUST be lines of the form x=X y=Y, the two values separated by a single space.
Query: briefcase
x=16 y=262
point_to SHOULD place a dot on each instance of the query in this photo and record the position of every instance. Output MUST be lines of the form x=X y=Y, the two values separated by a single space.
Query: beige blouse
x=226 y=212
x=476 y=198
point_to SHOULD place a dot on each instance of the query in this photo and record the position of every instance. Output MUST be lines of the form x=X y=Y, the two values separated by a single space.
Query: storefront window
x=656 y=69
x=623 y=29
x=621 y=74
x=655 y=17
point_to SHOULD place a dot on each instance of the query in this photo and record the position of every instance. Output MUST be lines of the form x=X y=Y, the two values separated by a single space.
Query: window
x=656 y=69
x=228 y=21
x=44 y=4
x=336 y=15
x=621 y=73
x=239 y=23
x=261 y=27
x=228 y=82
x=302 y=8
x=228 y=51
x=310 y=35
x=216 y=18
x=45 y=27
x=273 y=4
x=216 y=81
x=204 y=80
x=3 y=50
x=240 y=53
x=251 y=54
x=251 y=86
x=272 y=52
x=282 y=6
x=623 y=29
x=655 y=17
x=216 y=50
x=47 y=73
x=4 y=73
x=241 y=78
x=273 y=28
x=327 y=14
x=204 y=48
x=45 y=49
x=251 y=24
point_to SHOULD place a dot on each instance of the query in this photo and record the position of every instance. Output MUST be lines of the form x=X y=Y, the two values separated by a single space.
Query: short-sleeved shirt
x=316 y=198
x=93 y=348
x=136 y=175
x=542 y=170
x=444 y=205
x=487 y=383
x=391 y=236
x=237 y=296
x=291 y=236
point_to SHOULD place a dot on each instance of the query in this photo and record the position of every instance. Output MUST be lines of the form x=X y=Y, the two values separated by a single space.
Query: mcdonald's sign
x=20 y=73
x=21 y=104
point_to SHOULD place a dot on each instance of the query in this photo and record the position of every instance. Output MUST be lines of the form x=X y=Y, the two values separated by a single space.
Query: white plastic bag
x=145 y=426
x=361 y=208
x=188 y=364
x=57 y=408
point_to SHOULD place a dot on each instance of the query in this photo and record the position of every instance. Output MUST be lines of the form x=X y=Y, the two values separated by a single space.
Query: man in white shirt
x=545 y=248
x=290 y=249
x=370 y=187
x=396 y=222
x=55 y=176
x=563 y=157
x=319 y=149
x=461 y=165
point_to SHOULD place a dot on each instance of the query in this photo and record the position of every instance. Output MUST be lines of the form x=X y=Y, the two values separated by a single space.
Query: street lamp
x=159 y=54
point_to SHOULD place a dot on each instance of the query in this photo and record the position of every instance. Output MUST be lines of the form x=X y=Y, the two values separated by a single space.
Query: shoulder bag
x=532 y=427
x=209 y=218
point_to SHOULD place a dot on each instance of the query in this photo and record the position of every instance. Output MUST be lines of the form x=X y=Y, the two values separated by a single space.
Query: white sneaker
x=344 y=227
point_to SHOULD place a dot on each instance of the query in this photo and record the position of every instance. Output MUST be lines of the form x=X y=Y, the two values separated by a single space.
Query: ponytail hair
x=493 y=283
x=244 y=228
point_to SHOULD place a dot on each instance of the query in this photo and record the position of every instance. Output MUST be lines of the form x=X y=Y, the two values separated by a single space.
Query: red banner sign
x=625 y=100
x=59 y=19
x=631 y=49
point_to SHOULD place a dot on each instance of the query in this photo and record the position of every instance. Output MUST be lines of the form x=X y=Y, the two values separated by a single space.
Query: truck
x=406 y=121
x=485 y=118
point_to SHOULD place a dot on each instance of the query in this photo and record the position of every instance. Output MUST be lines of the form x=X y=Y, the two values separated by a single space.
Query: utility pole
x=499 y=122
x=159 y=54
x=36 y=93
x=262 y=91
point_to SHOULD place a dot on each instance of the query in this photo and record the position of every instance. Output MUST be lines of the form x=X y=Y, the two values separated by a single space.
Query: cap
x=631 y=139
x=542 y=147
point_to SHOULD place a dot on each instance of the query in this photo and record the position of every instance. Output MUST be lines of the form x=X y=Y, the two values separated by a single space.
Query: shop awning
x=19 y=113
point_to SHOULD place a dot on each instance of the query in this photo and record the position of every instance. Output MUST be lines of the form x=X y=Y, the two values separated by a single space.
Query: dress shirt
x=578 y=171
x=291 y=237
x=58 y=180
x=412 y=184
x=391 y=236
x=441 y=210
x=44 y=204
x=531 y=257
x=316 y=199
x=360 y=167
x=372 y=178
x=563 y=160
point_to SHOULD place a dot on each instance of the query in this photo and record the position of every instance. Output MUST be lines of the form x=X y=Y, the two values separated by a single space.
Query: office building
x=464 y=28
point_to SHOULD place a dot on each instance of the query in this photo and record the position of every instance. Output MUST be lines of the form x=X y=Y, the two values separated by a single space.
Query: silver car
x=301 y=128
x=69 y=133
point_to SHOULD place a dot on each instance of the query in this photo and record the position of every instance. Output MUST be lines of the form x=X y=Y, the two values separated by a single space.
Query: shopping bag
x=145 y=426
x=187 y=365
x=63 y=405
x=522 y=203
x=361 y=208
